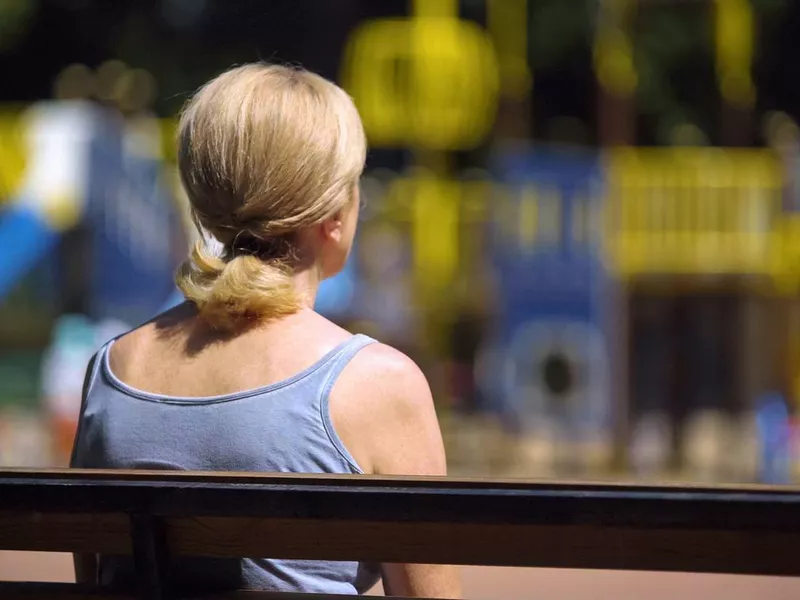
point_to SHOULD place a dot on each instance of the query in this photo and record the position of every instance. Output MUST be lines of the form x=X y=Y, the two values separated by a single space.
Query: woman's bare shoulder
x=386 y=408
x=387 y=373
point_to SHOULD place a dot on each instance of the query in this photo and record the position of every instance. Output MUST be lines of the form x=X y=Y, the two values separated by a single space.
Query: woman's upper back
x=205 y=410
x=378 y=402
x=293 y=397
x=179 y=354
x=163 y=399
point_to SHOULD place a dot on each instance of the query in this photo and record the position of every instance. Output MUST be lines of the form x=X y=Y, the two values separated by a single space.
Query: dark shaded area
x=185 y=43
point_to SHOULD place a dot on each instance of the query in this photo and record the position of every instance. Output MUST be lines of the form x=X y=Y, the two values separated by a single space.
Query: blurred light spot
x=687 y=134
x=136 y=90
x=74 y=82
x=109 y=75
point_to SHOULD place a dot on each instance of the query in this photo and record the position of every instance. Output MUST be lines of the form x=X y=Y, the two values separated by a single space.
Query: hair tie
x=245 y=243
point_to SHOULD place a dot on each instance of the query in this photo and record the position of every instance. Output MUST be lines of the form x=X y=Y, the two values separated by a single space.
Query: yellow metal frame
x=12 y=154
x=696 y=211
x=448 y=99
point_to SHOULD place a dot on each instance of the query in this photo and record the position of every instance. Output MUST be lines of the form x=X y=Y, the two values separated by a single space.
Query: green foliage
x=16 y=16
x=673 y=51
x=557 y=27
x=765 y=7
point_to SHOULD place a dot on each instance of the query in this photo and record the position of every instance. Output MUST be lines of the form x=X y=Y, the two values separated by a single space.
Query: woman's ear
x=332 y=227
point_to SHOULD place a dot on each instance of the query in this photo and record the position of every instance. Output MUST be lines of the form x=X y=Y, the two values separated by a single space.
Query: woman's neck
x=307 y=282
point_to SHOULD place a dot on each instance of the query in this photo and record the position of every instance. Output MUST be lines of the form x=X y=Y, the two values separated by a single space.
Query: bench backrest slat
x=53 y=532
x=753 y=530
x=768 y=553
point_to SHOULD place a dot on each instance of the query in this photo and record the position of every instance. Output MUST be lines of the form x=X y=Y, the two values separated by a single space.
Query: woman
x=245 y=376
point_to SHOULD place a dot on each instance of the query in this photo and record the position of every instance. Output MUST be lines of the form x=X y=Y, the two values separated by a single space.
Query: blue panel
x=556 y=275
x=134 y=224
x=25 y=238
x=553 y=289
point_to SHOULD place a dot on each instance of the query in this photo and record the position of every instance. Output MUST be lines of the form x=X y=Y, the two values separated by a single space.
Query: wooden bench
x=157 y=515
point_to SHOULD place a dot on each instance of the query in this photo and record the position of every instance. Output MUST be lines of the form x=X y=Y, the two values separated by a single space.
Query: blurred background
x=582 y=219
x=581 y=216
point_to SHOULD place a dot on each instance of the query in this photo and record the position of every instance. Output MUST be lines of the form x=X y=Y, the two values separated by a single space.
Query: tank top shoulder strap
x=92 y=373
x=95 y=367
x=342 y=358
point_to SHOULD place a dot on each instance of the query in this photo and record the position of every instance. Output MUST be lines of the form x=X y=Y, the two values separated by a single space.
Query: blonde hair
x=264 y=151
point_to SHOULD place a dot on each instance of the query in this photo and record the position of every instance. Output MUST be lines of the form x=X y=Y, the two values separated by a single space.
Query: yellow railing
x=695 y=211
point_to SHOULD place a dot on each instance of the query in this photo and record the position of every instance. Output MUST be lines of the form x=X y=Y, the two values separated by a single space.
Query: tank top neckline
x=264 y=389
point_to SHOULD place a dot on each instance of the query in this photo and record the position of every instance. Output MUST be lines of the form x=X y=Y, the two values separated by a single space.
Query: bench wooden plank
x=752 y=530
x=575 y=547
x=769 y=553
x=48 y=532
x=229 y=477
x=370 y=498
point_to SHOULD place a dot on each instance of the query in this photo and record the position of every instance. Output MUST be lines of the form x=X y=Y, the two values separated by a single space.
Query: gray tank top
x=285 y=427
